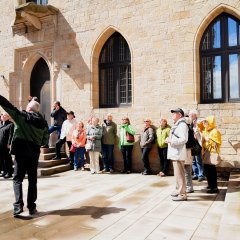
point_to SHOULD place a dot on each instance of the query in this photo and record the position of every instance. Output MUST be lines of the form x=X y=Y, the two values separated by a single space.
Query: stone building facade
x=164 y=40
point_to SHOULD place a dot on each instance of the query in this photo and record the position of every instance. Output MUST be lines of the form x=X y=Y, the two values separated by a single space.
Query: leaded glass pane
x=234 y=75
x=217 y=77
x=216 y=35
x=123 y=84
x=232 y=32
x=107 y=86
x=206 y=71
x=212 y=38
x=107 y=53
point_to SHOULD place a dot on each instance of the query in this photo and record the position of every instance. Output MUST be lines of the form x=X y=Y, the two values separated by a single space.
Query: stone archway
x=198 y=36
x=25 y=60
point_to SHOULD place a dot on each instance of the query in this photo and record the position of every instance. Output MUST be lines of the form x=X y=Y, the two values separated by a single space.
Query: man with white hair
x=30 y=133
x=197 y=165
x=109 y=136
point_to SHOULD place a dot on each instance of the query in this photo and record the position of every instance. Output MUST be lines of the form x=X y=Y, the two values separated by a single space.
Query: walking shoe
x=105 y=170
x=189 y=191
x=111 y=171
x=200 y=179
x=180 y=198
x=7 y=175
x=212 y=191
x=45 y=146
x=92 y=172
x=56 y=158
x=17 y=211
x=75 y=168
x=174 y=194
x=82 y=169
x=33 y=211
x=195 y=178
x=128 y=172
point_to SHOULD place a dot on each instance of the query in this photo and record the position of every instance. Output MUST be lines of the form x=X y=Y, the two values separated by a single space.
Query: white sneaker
x=92 y=172
x=180 y=198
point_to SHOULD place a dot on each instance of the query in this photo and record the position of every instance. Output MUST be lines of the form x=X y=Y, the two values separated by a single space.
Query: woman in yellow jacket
x=211 y=141
x=162 y=133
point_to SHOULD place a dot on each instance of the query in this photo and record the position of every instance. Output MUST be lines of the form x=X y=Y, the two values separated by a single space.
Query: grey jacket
x=96 y=133
x=147 y=138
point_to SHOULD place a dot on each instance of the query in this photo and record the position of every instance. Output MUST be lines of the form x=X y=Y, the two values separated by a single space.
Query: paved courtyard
x=77 y=205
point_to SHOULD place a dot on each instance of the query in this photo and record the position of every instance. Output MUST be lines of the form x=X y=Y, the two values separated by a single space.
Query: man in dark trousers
x=30 y=133
x=6 y=131
x=59 y=115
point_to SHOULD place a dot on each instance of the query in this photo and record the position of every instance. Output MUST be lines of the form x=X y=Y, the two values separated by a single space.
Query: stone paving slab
x=78 y=205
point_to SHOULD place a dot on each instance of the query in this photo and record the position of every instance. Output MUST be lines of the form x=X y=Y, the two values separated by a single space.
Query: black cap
x=71 y=112
x=178 y=110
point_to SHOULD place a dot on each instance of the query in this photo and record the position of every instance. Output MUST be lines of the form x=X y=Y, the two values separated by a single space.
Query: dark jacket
x=5 y=134
x=30 y=130
x=109 y=132
x=59 y=116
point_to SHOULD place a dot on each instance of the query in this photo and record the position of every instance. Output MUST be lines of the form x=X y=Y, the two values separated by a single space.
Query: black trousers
x=6 y=161
x=127 y=157
x=145 y=159
x=211 y=175
x=25 y=165
x=164 y=162
x=59 y=144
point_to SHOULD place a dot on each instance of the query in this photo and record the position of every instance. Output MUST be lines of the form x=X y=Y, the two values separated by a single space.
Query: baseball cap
x=178 y=110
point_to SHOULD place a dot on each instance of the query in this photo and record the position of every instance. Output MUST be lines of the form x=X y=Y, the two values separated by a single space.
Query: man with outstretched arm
x=30 y=133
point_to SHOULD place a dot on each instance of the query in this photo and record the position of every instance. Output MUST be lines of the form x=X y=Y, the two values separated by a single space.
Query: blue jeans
x=53 y=128
x=197 y=166
x=107 y=154
x=79 y=153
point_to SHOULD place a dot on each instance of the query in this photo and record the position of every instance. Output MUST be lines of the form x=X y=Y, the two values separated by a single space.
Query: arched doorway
x=40 y=87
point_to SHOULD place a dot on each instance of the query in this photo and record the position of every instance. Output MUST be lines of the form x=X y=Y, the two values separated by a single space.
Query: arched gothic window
x=115 y=82
x=220 y=61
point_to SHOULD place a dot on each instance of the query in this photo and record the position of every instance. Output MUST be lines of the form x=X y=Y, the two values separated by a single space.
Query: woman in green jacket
x=162 y=133
x=126 y=145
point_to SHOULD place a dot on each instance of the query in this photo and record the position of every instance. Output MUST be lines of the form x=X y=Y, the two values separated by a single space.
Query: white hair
x=193 y=111
x=34 y=106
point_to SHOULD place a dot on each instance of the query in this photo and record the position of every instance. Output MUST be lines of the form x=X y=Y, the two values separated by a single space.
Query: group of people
x=175 y=143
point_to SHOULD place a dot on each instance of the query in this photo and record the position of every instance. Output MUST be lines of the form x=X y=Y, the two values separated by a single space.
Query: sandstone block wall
x=163 y=38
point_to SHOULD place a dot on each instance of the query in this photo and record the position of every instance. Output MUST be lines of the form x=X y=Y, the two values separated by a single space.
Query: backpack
x=192 y=142
x=191 y=139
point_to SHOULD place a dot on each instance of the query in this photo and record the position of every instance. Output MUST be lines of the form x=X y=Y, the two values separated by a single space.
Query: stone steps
x=47 y=166
x=53 y=170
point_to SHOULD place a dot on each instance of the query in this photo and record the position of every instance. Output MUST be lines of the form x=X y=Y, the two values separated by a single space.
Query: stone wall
x=163 y=38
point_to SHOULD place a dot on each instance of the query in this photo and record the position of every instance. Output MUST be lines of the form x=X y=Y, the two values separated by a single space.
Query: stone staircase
x=47 y=166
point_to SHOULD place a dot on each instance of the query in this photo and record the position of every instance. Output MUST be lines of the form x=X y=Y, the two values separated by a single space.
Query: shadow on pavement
x=92 y=211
